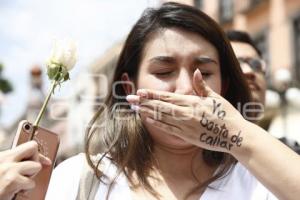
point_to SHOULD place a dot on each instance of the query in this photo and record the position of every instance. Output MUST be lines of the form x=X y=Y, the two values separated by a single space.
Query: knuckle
x=195 y=101
x=195 y=118
x=168 y=110
x=185 y=111
x=34 y=145
x=31 y=184
x=6 y=155
x=10 y=180
x=168 y=99
x=37 y=166
x=176 y=113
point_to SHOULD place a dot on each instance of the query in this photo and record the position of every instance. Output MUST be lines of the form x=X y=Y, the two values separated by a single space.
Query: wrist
x=250 y=135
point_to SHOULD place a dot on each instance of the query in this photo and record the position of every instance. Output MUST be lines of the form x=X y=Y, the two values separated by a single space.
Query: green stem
x=43 y=109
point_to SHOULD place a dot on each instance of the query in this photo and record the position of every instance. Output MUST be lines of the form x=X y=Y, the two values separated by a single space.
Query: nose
x=184 y=83
x=248 y=72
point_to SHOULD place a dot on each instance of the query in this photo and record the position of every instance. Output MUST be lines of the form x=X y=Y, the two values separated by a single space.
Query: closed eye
x=163 y=73
x=206 y=74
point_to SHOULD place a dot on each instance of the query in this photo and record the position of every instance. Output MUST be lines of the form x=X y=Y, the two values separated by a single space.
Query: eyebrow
x=163 y=59
x=172 y=60
x=204 y=60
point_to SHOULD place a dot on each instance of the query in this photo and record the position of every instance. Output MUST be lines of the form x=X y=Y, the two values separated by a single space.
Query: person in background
x=254 y=69
x=17 y=168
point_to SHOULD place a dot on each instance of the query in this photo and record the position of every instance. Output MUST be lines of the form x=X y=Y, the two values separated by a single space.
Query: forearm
x=271 y=162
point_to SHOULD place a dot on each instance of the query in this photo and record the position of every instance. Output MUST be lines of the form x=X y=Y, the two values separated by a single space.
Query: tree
x=5 y=85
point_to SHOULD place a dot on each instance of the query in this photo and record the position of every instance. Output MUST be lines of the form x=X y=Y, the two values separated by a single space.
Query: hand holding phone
x=15 y=173
x=47 y=146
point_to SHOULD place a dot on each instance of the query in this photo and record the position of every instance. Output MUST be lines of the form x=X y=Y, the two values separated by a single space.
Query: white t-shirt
x=239 y=184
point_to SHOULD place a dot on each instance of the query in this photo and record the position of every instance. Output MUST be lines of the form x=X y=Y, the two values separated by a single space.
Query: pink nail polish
x=135 y=107
x=132 y=98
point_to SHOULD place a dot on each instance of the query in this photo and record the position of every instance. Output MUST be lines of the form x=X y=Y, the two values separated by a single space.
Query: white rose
x=64 y=52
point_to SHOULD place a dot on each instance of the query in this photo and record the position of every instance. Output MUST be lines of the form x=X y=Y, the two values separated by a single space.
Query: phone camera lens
x=27 y=127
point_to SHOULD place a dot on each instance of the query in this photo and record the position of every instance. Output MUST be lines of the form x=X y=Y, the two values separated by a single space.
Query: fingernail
x=47 y=161
x=132 y=98
x=198 y=73
x=142 y=93
x=134 y=107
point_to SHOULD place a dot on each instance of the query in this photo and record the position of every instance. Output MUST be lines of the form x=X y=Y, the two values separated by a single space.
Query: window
x=225 y=10
x=297 y=47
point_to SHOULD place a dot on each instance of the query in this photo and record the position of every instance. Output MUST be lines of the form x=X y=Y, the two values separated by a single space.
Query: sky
x=28 y=28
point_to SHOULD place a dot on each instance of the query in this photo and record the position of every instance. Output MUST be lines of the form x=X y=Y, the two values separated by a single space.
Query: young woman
x=172 y=129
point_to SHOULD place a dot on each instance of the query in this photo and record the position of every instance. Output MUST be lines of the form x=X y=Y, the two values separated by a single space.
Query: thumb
x=199 y=85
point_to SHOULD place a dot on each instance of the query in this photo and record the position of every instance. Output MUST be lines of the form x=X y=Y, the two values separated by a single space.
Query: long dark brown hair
x=123 y=138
